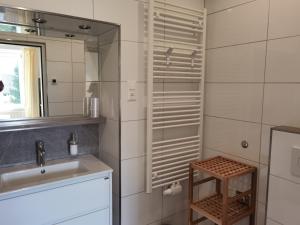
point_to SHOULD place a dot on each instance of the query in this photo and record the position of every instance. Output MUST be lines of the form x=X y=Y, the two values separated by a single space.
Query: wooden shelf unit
x=220 y=207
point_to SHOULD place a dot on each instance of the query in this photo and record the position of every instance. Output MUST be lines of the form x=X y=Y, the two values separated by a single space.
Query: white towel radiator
x=176 y=56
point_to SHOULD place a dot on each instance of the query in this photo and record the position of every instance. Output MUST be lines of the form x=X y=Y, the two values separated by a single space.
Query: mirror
x=49 y=63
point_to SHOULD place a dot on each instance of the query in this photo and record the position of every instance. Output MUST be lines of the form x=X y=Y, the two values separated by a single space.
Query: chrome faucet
x=41 y=153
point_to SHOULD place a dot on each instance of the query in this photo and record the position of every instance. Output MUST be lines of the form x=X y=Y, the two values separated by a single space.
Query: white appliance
x=283 y=206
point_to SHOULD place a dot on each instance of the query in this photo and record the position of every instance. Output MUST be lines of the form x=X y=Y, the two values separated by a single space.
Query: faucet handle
x=40 y=143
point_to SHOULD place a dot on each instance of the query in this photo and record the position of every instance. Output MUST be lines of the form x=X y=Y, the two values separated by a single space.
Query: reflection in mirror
x=22 y=77
x=50 y=65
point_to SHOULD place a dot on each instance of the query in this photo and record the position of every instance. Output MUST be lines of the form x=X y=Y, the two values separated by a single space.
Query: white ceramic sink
x=29 y=178
x=40 y=174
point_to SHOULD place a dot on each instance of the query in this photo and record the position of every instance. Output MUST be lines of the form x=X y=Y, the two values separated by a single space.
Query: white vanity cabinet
x=80 y=200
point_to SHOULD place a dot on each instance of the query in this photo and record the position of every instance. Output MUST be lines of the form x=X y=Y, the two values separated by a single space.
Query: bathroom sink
x=29 y=178
x=40 y=174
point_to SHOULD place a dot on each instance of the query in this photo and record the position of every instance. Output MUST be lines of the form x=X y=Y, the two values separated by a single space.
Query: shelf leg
x=191 y=193
x=218 y=186
x=225 y=202
x=253 y=196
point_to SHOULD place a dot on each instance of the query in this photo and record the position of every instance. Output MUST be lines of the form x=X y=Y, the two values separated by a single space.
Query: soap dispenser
x=73 y=144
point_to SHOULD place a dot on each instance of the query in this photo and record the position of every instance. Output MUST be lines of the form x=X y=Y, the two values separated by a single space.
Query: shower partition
x=176 y=56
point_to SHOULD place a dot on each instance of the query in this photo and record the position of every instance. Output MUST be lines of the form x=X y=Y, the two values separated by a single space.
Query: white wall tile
x=242 y=63
x=226 y=136
x=281 y=104
x=133 y=176
x=169 y=206
x=217 y=5
x=284 y=18
x=58 y=51
x=78 y=91
x=238 y=25
x=60 y=92
x=61 y=71
x=283 y=60
x=128 y=13
x=133 y=110
x=179 y=218
x=235 y=101
x=133 y=140
x=283 y=205
x=60 y=109
x=78 y=72
x=142 y=209
x=78 y=54
x=78 y=108
x=209 y=153
x=192 y=4
x=133 y=61
x=81 y=8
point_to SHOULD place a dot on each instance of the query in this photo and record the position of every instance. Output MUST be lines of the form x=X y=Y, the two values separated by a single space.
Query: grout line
x=254 y=42
x=283 y=37
x=132 y=41
x=263 y=123
x=226 y=118
x=135 y=157
x=286 y=179
x=232 y=82
x=238 y=44
x=263 y=99
x=232 y=7
x=130 y=195
x=137 y=120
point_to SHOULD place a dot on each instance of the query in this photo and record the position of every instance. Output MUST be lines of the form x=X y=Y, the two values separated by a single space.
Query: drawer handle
x=106 y=178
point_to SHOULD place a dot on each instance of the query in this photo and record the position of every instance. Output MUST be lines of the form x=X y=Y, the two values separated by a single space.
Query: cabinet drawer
x=55 y=205
x=96 y=218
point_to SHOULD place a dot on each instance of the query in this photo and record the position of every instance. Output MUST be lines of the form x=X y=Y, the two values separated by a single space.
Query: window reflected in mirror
x=21 y=75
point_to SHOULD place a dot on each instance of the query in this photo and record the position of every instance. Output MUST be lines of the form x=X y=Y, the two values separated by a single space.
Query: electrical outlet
x=131 y=91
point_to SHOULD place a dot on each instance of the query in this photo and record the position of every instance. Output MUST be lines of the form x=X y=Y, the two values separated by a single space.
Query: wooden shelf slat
x=223 y=168
x=220 y=208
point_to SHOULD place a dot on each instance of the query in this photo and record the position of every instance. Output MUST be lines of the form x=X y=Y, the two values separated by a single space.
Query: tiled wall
x=65 y=63
x=137 y=207
x=252 y=79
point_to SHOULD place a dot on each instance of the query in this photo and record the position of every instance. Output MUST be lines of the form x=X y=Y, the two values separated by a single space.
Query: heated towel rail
x=175 y=86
